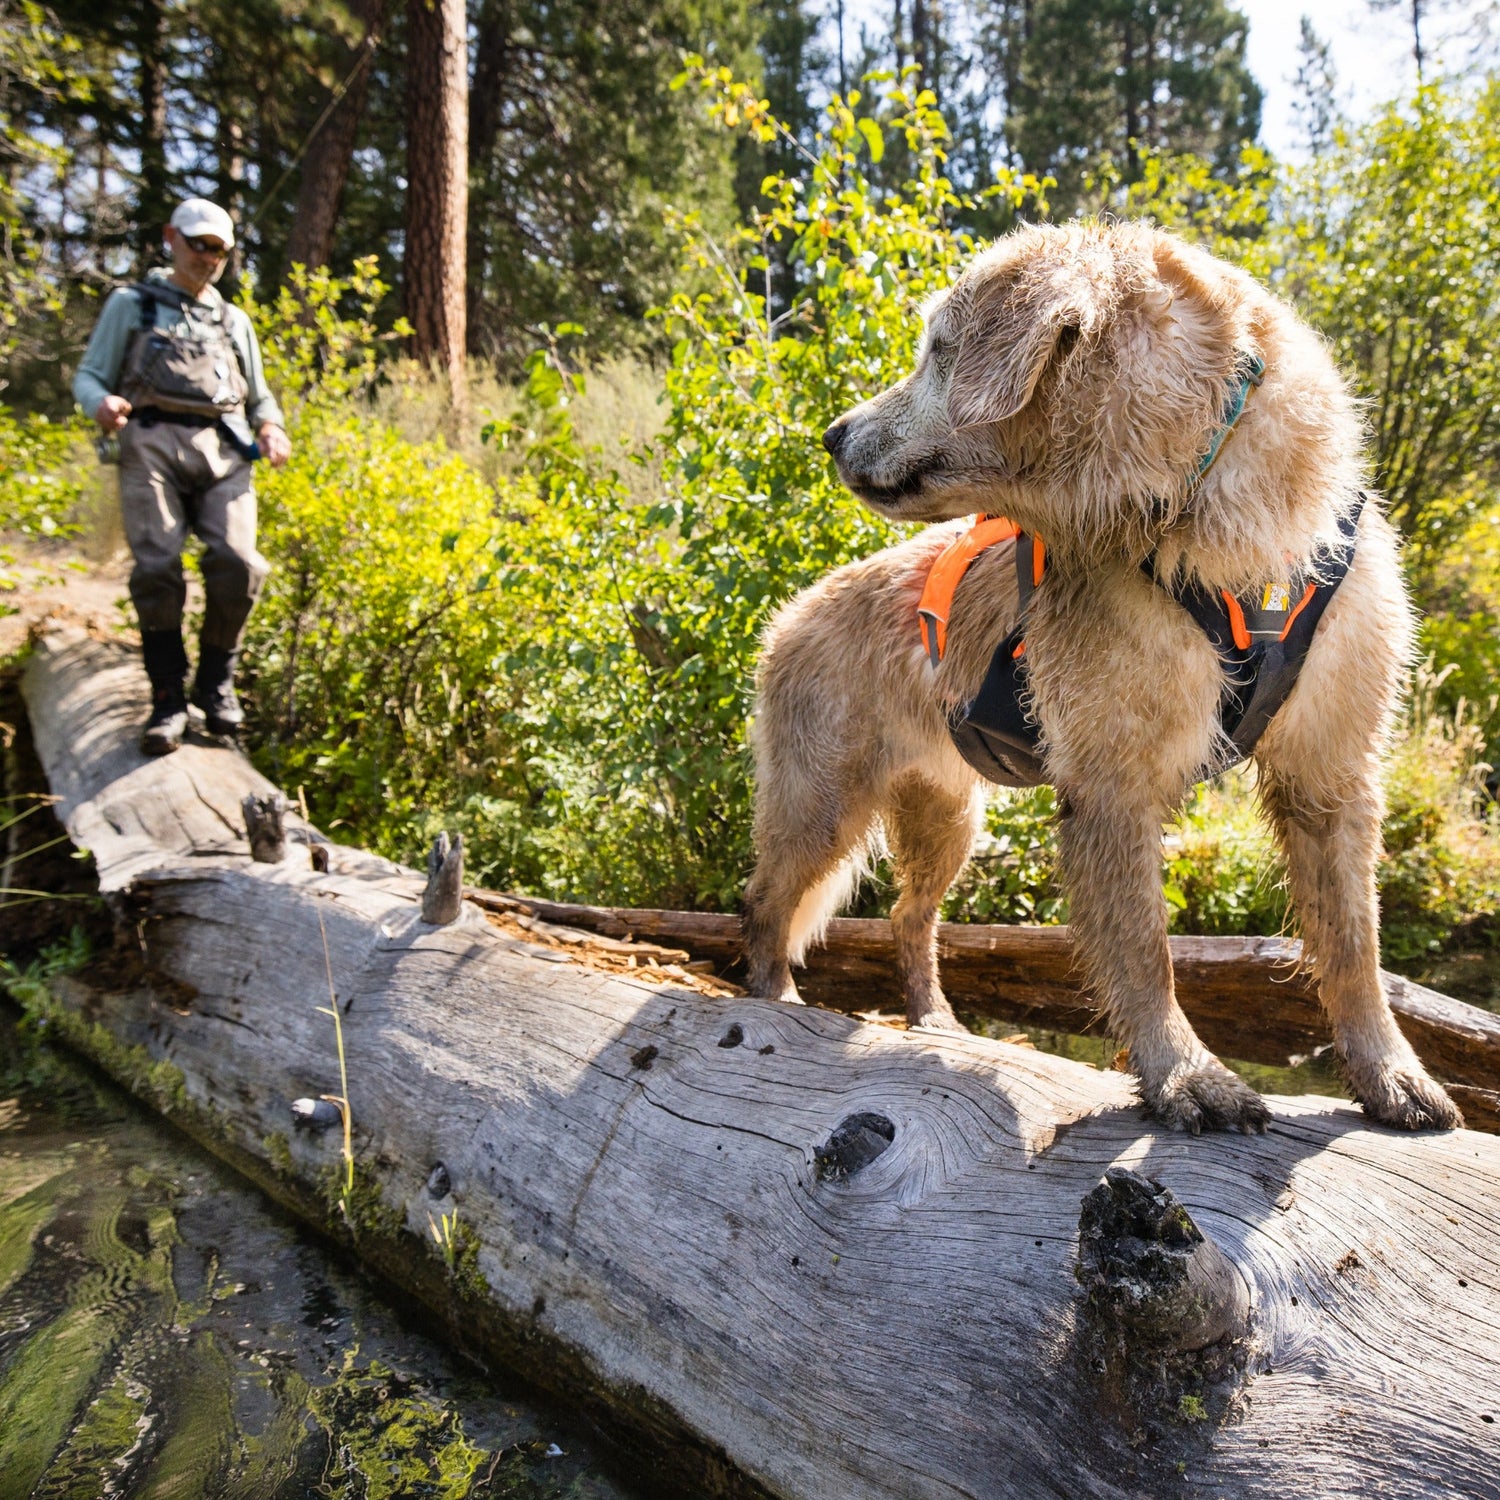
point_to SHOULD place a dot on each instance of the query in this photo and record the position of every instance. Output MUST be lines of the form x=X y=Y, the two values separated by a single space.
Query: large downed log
x=1247 y=997
x=795 y=1253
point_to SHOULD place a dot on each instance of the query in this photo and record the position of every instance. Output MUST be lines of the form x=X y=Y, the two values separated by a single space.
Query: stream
x=164 y=1331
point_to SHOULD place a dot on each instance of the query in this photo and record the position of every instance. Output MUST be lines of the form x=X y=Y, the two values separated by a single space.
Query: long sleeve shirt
x=99 y=372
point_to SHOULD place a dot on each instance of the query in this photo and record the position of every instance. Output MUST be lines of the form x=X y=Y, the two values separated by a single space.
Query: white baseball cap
x=199 y=216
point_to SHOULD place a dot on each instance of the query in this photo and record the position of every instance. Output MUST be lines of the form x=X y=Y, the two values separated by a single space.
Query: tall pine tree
x=1106 y=78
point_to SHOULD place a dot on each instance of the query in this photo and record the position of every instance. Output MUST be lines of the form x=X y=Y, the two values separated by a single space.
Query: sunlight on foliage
x=552 y=650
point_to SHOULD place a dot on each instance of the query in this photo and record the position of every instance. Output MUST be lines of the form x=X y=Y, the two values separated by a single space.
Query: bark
x=325 y=168
x=794 y=1253
x=487 y=98
x=437 y=192
x=920 y=52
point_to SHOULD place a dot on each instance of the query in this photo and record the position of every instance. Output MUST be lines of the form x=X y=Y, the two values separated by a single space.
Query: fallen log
x=793 y=1253
x=1247 y=997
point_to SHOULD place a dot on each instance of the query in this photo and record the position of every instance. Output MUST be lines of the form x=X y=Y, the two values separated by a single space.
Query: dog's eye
x=1066 y=339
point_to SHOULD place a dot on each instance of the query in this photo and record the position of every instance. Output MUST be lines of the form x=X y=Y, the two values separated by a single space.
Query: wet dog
x=1073 y=379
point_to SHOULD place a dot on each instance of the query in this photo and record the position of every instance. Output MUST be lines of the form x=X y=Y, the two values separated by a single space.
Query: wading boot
x=213 y=691
x=166 y=666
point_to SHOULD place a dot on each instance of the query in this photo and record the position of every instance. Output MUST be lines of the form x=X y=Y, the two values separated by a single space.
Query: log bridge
x=787 y=1251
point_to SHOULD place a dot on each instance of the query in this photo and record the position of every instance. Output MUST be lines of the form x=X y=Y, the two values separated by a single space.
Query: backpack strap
x=147 y=301
x=152 y=294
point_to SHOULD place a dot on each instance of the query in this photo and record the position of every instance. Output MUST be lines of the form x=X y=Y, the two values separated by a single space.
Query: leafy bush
x=1462 y=626
x=1441 y=868
x=1223 y=872
x=43 y=474
x=1013 y=876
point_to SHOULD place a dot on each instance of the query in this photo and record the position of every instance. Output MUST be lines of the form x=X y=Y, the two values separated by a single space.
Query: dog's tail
x=821 y=903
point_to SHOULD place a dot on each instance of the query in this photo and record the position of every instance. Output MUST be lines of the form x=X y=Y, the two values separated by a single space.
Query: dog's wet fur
x=1072 y=379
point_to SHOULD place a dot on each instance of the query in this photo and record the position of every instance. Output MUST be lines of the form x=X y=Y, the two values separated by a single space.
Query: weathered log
x=1247 y=997
x=796 y=1253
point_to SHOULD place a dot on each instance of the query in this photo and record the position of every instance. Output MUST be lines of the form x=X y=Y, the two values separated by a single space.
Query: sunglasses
x=202 y=246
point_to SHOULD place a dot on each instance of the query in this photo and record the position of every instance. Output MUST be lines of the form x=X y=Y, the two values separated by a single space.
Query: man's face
x=197 y=260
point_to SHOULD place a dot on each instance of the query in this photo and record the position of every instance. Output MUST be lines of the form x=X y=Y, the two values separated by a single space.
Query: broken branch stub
x=1153 y=1279
x=445 y=880
x=265 y=826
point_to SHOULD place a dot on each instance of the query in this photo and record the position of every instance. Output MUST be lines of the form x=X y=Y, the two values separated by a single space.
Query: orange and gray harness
x=1262 y=639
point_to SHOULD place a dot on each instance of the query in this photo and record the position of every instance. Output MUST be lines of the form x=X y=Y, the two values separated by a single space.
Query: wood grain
x=639 y=1163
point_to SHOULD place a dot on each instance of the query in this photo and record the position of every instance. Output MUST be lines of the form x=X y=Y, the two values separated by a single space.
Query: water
x=165 y=1332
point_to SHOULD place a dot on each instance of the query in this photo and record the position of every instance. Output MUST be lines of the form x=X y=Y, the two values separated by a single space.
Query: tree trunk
x=792 y=1253
x=154 y=204
x=486 y=102
x=1128 y=87
x=920 y=51
x=437 y=191
x=325 y=168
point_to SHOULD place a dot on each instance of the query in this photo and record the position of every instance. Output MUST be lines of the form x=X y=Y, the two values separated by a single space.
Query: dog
x=1074 y=380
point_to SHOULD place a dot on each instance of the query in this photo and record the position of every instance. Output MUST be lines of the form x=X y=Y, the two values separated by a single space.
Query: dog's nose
x=833 y=439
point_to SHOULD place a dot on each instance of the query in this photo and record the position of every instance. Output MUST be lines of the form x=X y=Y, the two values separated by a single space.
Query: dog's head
x=1071 y=379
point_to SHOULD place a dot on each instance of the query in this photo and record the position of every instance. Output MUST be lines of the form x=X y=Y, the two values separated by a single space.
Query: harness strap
x=947 y=572
x=1261 y=666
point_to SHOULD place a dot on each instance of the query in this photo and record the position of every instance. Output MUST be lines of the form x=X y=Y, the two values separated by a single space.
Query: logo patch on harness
x=1276 y=598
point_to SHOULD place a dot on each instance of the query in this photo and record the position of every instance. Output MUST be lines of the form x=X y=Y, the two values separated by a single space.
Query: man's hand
x=113 y=414
x=275 y=445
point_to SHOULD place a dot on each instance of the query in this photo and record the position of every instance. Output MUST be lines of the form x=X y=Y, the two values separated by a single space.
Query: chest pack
x=1261 y=639
x=194 y=372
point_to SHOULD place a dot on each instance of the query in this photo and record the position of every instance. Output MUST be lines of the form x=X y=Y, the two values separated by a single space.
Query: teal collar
x=1249 y=371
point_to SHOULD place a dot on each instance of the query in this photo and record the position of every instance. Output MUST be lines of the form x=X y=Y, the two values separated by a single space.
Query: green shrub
x=1223 y=871
x=44 y=469
x=1441 y=868
x=1013 y=876
x=1461 y=628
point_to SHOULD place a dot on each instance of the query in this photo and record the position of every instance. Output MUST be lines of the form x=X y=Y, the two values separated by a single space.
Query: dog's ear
x=1010 y=335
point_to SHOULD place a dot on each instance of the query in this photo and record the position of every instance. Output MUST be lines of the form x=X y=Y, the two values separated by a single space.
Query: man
x=176 y=372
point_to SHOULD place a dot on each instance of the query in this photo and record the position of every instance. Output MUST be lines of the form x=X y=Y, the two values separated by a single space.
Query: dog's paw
x=1207 y=1097
x=935 y=1015
x=1403 y=1096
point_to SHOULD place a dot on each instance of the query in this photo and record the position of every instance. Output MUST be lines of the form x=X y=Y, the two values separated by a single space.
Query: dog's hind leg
x=810 y=853
x=931 y=832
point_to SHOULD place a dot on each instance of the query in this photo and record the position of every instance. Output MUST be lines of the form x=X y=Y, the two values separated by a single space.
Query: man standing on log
x=176 y=372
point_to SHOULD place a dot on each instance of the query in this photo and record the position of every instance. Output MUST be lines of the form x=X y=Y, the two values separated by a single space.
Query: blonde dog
x=1074 y=380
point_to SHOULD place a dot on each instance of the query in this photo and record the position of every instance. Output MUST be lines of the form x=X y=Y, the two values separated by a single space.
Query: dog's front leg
x=1111 y=856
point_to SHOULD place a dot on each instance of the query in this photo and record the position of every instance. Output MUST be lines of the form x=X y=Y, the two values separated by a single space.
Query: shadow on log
x=780 y=1250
